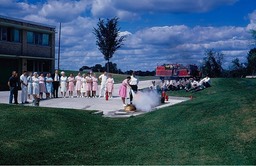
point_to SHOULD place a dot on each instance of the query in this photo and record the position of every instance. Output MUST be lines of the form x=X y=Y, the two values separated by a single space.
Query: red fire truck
x=177 y=71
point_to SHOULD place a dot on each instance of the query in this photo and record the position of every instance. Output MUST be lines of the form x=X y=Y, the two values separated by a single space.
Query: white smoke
x=146 y=101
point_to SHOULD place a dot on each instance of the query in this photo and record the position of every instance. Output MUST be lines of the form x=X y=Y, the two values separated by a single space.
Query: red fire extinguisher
x=106 y=95
x=163 y=94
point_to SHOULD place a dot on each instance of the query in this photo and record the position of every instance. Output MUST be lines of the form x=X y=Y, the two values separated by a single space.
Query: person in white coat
x=24 y=88
x=103 y=78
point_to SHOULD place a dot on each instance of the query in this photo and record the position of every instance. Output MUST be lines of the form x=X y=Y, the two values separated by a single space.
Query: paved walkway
x=107 y=107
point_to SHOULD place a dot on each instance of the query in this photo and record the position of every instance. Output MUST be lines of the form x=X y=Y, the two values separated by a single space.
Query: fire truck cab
x=172 y=71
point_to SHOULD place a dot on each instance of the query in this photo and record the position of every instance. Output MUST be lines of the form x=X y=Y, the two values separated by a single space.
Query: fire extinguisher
x=106 y=95
x=163 y=94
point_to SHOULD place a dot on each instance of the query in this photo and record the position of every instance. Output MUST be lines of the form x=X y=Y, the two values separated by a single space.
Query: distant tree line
x=114 y=69
x=212 y=64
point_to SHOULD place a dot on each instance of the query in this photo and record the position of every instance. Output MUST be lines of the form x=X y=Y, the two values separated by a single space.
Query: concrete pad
x=109 y=108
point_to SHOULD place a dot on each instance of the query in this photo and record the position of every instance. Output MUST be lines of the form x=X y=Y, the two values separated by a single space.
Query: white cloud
x=171 y=5
x=130 y=9
x=252 y=17
x=64 y=11
x=144 y=48
x=181 y=44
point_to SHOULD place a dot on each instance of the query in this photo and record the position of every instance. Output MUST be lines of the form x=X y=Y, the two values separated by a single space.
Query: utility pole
x=59 y=47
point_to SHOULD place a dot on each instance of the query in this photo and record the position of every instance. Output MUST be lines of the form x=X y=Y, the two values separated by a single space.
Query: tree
x=236 y=64
x=97 y=68
x=253 y=32
x=212 y=63
x=237 y=69
x=251 y=58
x=107 y=38
x=84 y=68
x=112 y=67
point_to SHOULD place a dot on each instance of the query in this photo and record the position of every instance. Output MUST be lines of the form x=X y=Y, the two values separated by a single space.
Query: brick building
x=25 y=45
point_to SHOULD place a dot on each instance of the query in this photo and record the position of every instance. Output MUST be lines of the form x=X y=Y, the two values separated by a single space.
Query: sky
x=157 y=31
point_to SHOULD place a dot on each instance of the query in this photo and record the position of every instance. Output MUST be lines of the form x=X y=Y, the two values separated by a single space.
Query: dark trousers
x=13 y=94
x=135 y=89
x=206 y=84
x=55 y=88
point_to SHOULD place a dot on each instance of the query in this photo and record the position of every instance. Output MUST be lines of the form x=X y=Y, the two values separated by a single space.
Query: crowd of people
x=188 y=84
x=44 y=86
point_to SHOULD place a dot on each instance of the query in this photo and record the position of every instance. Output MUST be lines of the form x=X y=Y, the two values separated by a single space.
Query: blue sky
x=158 y=31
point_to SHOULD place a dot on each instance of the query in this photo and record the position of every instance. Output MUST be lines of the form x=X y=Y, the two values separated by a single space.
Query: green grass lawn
x=218 y=126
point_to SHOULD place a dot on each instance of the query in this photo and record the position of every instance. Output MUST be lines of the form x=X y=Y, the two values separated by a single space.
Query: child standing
x=110 y=85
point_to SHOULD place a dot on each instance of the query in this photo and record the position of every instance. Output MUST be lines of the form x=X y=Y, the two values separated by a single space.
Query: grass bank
x=216 y=127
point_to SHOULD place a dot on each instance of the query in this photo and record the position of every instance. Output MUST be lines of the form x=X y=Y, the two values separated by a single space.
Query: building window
x=3 y=34
x=38 y=38
x=30 y=37
x=45 y=39
x=16 y=35
x=9 y=34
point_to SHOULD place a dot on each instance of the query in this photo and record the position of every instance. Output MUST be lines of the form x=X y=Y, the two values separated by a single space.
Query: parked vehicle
x=173 y=71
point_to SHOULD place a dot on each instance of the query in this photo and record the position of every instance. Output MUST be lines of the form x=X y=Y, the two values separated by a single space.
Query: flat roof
x=26 y=21
x=24 y=57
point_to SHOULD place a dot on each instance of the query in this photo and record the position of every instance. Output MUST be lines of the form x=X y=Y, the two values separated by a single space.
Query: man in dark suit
x=56 y=83
x=13 y=84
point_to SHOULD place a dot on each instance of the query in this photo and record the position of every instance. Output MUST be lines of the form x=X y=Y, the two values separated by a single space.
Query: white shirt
x=103 y=78
x=23 y=79
x=195 y=84
x=134 y=81
x=56 y=77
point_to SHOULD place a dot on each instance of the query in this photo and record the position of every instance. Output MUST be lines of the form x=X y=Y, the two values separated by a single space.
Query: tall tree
x=237 y=69
x=212 y=63
x=108 y=39
x=251 y=58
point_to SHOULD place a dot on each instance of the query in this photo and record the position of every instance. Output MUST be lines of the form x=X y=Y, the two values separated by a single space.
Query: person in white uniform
x=103 y=78
x=35 y=85
x=63 y=84
x=24 y=88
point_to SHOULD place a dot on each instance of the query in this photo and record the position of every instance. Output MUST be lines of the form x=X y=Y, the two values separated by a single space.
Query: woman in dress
x=49 y=86
x=71 y=85
x=123 y=89
x=35 y=84
x=88 y=84
x=30 y=87
x=78 y=84
x=110 y=85
x=83 y=85
x=42 y=88
x=63 y=84
x=94 y=85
